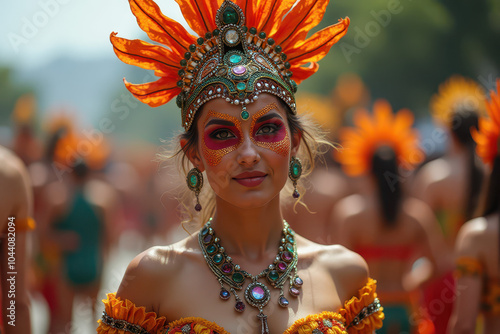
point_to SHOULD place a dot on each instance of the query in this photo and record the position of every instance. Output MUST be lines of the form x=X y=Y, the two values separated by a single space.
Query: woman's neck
x=253 y=234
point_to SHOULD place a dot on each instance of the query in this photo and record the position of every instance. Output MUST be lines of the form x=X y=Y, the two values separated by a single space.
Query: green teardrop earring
x=194 y=181
x=294 y=173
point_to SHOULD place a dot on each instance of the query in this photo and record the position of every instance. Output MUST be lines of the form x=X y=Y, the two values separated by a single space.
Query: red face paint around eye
x=220 y=137
x=270 y=133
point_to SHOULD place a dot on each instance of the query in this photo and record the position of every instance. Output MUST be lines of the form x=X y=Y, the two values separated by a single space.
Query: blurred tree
x=404 y=49
x=10 y=91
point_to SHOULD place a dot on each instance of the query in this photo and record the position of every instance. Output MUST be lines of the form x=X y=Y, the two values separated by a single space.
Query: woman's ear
x=296 y=139
x=192 y=154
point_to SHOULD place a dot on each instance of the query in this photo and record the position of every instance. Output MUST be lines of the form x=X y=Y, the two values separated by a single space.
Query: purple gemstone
x=227 y=268
x=298 y=281
x=258 y=293
x=198 y=207
x=207 y=238
x=282 y=266
x=286 y=256
x=283 y=302
x=239 y=70
x=224 y=294
x=294 y=291
x=240 y=306
x=296 y=194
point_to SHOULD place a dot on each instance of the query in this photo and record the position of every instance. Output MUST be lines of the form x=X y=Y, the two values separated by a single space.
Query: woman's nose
x=248 y=153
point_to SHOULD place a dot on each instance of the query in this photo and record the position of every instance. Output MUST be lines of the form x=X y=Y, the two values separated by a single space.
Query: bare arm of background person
x=15 y=202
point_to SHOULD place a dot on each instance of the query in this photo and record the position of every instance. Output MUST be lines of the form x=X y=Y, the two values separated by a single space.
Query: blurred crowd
x=399 y=199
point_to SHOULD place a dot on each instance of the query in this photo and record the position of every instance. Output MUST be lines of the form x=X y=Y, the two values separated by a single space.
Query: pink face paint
x=221 y=135
x=270 y=132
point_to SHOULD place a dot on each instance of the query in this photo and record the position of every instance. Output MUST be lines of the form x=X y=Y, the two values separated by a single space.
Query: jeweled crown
x=245 y=49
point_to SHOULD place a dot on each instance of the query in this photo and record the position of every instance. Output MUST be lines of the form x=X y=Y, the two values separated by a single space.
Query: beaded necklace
x=257 y=294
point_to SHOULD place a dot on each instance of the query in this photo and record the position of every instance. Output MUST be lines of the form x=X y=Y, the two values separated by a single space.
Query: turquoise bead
x=235 y=59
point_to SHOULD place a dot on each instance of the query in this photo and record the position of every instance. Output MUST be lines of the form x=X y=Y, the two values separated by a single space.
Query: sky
x=34 y=32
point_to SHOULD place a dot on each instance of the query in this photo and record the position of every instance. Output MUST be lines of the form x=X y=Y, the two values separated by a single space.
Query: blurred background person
x=478 y=242
x=451 y=185
x=78 y=217
x=15 y=221
x=388 y=228
x=327 y=184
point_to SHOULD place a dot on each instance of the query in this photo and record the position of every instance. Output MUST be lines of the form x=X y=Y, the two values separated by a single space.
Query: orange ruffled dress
x=361 y=314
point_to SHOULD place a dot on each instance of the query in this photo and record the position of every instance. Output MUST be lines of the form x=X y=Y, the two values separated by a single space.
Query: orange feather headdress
x=457 y=94
x=383 y=129
x=488 y=136
x=243 y=48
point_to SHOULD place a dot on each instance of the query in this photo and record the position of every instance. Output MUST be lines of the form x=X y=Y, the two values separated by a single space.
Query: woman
x=390 y=230
x=477 y=249
x=238 y=110
x=450 y=185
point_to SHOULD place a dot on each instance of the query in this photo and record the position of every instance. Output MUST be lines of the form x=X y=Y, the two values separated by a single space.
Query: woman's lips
x=250 y=179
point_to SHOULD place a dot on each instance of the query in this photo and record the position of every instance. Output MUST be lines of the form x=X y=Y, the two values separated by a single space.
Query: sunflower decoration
x=383 y=128
x=488 y=136
x=73 y=148
x=456 y=95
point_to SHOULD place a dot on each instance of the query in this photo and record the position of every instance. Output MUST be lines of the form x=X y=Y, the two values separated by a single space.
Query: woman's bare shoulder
x=347 y=268
x=152 y=269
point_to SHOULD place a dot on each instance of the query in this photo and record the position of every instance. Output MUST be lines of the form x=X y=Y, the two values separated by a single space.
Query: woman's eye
x=267 y=129
x=222 y=134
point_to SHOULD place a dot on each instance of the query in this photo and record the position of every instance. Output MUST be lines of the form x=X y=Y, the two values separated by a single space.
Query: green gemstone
x=290 y=238
x=204 y=231
x=278 y=49
x=216 y=32
x=294 y=86
x=287 y=65
x=184 y=62
x=208 y=35
x=253 y=30
x=241 y=86
x=273 y=275
x=245 y=114
x=296 y=170
x=200 y=41
x=218 y=258
x=289 y=247
x=235 y=59
x=238 y=277
x=230 y=16
x=192 y=48
x=262 y=35
x=187 y=55
x=211 y=249
x=241 y=95
x=270 y=41
x=193 y=180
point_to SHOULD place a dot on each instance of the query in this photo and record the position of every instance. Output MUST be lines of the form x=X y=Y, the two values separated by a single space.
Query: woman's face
x=246 y=161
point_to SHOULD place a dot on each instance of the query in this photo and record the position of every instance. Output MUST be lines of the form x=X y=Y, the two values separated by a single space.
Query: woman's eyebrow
x=219 y=121
x=269 y=116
